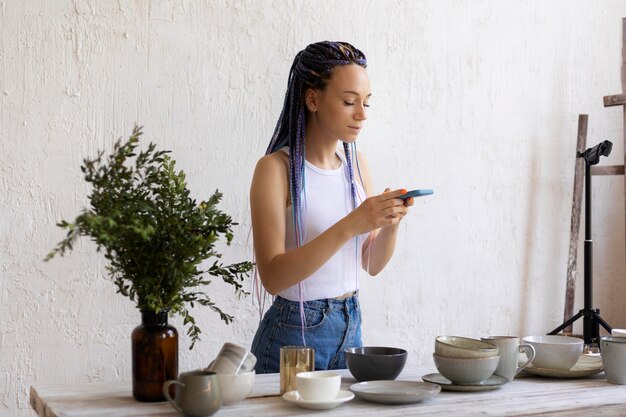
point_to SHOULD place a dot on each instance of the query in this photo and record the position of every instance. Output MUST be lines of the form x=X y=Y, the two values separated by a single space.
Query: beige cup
x=198 y=394
x=232 y=359
x=510 y=349
x=293 y=360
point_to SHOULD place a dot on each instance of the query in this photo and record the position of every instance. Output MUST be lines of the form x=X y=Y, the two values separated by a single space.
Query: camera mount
x=591 y=317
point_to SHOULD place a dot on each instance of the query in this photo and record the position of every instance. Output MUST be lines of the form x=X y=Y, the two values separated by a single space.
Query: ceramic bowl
x=554 y=351
x=318 y=385
x=463 y=347
x=371 y=363
x=235 y=388
x=466 y=370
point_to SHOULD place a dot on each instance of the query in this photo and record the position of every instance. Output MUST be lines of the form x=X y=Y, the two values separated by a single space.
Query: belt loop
x=281 y=302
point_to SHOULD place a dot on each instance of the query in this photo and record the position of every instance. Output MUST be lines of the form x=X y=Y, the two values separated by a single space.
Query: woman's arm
x=280 y=269
x=378 y=248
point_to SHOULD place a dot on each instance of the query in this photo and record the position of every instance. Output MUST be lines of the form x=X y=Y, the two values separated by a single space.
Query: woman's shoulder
x=273 y=165
x=360 y=156
x=363 y=172
x=274 y=160
x=271 y=177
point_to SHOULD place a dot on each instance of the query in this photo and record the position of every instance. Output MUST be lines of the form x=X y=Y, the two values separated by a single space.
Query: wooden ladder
x=581 y=144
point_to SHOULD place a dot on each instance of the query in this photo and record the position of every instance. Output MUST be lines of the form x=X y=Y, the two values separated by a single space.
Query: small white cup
x=318 y=385
x=232 y=359
x=613 y=351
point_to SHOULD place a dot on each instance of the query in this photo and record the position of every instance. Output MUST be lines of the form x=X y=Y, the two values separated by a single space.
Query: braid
x=346 y=149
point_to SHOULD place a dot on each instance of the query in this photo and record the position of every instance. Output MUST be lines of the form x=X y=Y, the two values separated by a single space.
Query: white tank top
x=328 y=200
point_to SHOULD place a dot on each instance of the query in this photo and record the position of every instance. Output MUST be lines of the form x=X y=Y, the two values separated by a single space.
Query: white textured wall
x=478 y=100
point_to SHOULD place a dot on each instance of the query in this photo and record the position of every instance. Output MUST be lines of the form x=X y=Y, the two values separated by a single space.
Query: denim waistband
x=347 y=303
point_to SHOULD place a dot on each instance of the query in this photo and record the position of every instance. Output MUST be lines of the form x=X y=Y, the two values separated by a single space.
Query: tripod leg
x=567 y=323
x=604 y=324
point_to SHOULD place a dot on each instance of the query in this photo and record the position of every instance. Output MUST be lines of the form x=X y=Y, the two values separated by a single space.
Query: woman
x=314 y=218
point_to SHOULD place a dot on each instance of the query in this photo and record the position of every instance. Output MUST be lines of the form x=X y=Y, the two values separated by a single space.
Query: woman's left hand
x=405 y=206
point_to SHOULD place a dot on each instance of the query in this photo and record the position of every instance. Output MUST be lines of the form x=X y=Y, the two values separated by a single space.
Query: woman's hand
x=382 y=210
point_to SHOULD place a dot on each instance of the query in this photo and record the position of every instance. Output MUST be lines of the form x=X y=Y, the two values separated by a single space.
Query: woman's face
x=341 y=108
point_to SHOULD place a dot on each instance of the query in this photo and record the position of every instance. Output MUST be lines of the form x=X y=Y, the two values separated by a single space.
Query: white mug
x=510 y=349
x=613 y=351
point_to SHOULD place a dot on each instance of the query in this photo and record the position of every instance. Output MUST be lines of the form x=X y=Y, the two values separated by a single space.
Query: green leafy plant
x=153 y=233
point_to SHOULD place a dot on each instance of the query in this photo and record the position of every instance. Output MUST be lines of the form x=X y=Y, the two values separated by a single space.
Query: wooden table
x=524 y=396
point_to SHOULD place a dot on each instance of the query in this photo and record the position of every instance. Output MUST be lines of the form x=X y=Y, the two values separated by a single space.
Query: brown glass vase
x=155 y=356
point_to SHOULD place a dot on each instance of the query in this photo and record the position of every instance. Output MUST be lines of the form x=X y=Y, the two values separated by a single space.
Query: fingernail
x=403 y=191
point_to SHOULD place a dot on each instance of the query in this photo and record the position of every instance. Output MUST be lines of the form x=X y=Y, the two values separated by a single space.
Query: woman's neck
x=320 y=146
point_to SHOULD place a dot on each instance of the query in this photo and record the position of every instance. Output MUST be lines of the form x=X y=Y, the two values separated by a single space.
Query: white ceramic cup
x=510 y=349
x=318 y=385
x=232 y=359
x=613 y=351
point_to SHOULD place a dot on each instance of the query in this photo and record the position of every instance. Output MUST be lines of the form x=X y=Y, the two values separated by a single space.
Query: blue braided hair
x=311 y=68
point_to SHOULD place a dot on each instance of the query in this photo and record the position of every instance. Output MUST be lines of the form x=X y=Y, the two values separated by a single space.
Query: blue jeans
x=332 y=326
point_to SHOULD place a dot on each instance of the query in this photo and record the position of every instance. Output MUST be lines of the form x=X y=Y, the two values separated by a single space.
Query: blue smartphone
x=416 y=193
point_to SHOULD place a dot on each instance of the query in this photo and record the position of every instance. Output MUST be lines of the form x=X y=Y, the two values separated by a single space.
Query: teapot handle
x=166 y=392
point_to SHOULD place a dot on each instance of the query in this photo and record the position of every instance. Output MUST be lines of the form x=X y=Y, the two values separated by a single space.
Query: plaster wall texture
x=476 y=99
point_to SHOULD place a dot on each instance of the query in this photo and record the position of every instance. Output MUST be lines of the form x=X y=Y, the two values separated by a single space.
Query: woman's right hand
x=382 y=210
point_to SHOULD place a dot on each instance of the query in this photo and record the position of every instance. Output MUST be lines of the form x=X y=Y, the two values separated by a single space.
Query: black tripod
x=591 y=316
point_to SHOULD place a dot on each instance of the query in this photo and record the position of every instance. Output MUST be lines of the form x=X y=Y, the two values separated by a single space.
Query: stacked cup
x=465 y=361
x=234 y=366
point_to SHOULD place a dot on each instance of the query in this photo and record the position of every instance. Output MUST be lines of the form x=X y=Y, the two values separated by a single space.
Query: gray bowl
x=466 y=370
x=370 y=363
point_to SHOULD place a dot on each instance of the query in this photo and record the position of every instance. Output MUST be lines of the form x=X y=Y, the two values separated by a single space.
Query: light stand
x=591 y=316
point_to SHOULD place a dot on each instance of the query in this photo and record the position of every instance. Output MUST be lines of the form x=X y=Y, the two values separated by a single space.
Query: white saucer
x=395 y=392
x=587 y=365
x=295 y=398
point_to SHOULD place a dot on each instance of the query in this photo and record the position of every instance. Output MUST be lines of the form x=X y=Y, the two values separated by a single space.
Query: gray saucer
x=491 y=383
x=395 y=392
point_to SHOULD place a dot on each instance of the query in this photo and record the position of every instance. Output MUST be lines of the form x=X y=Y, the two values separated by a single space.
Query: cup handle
x=166 y=392
x=530 y=354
